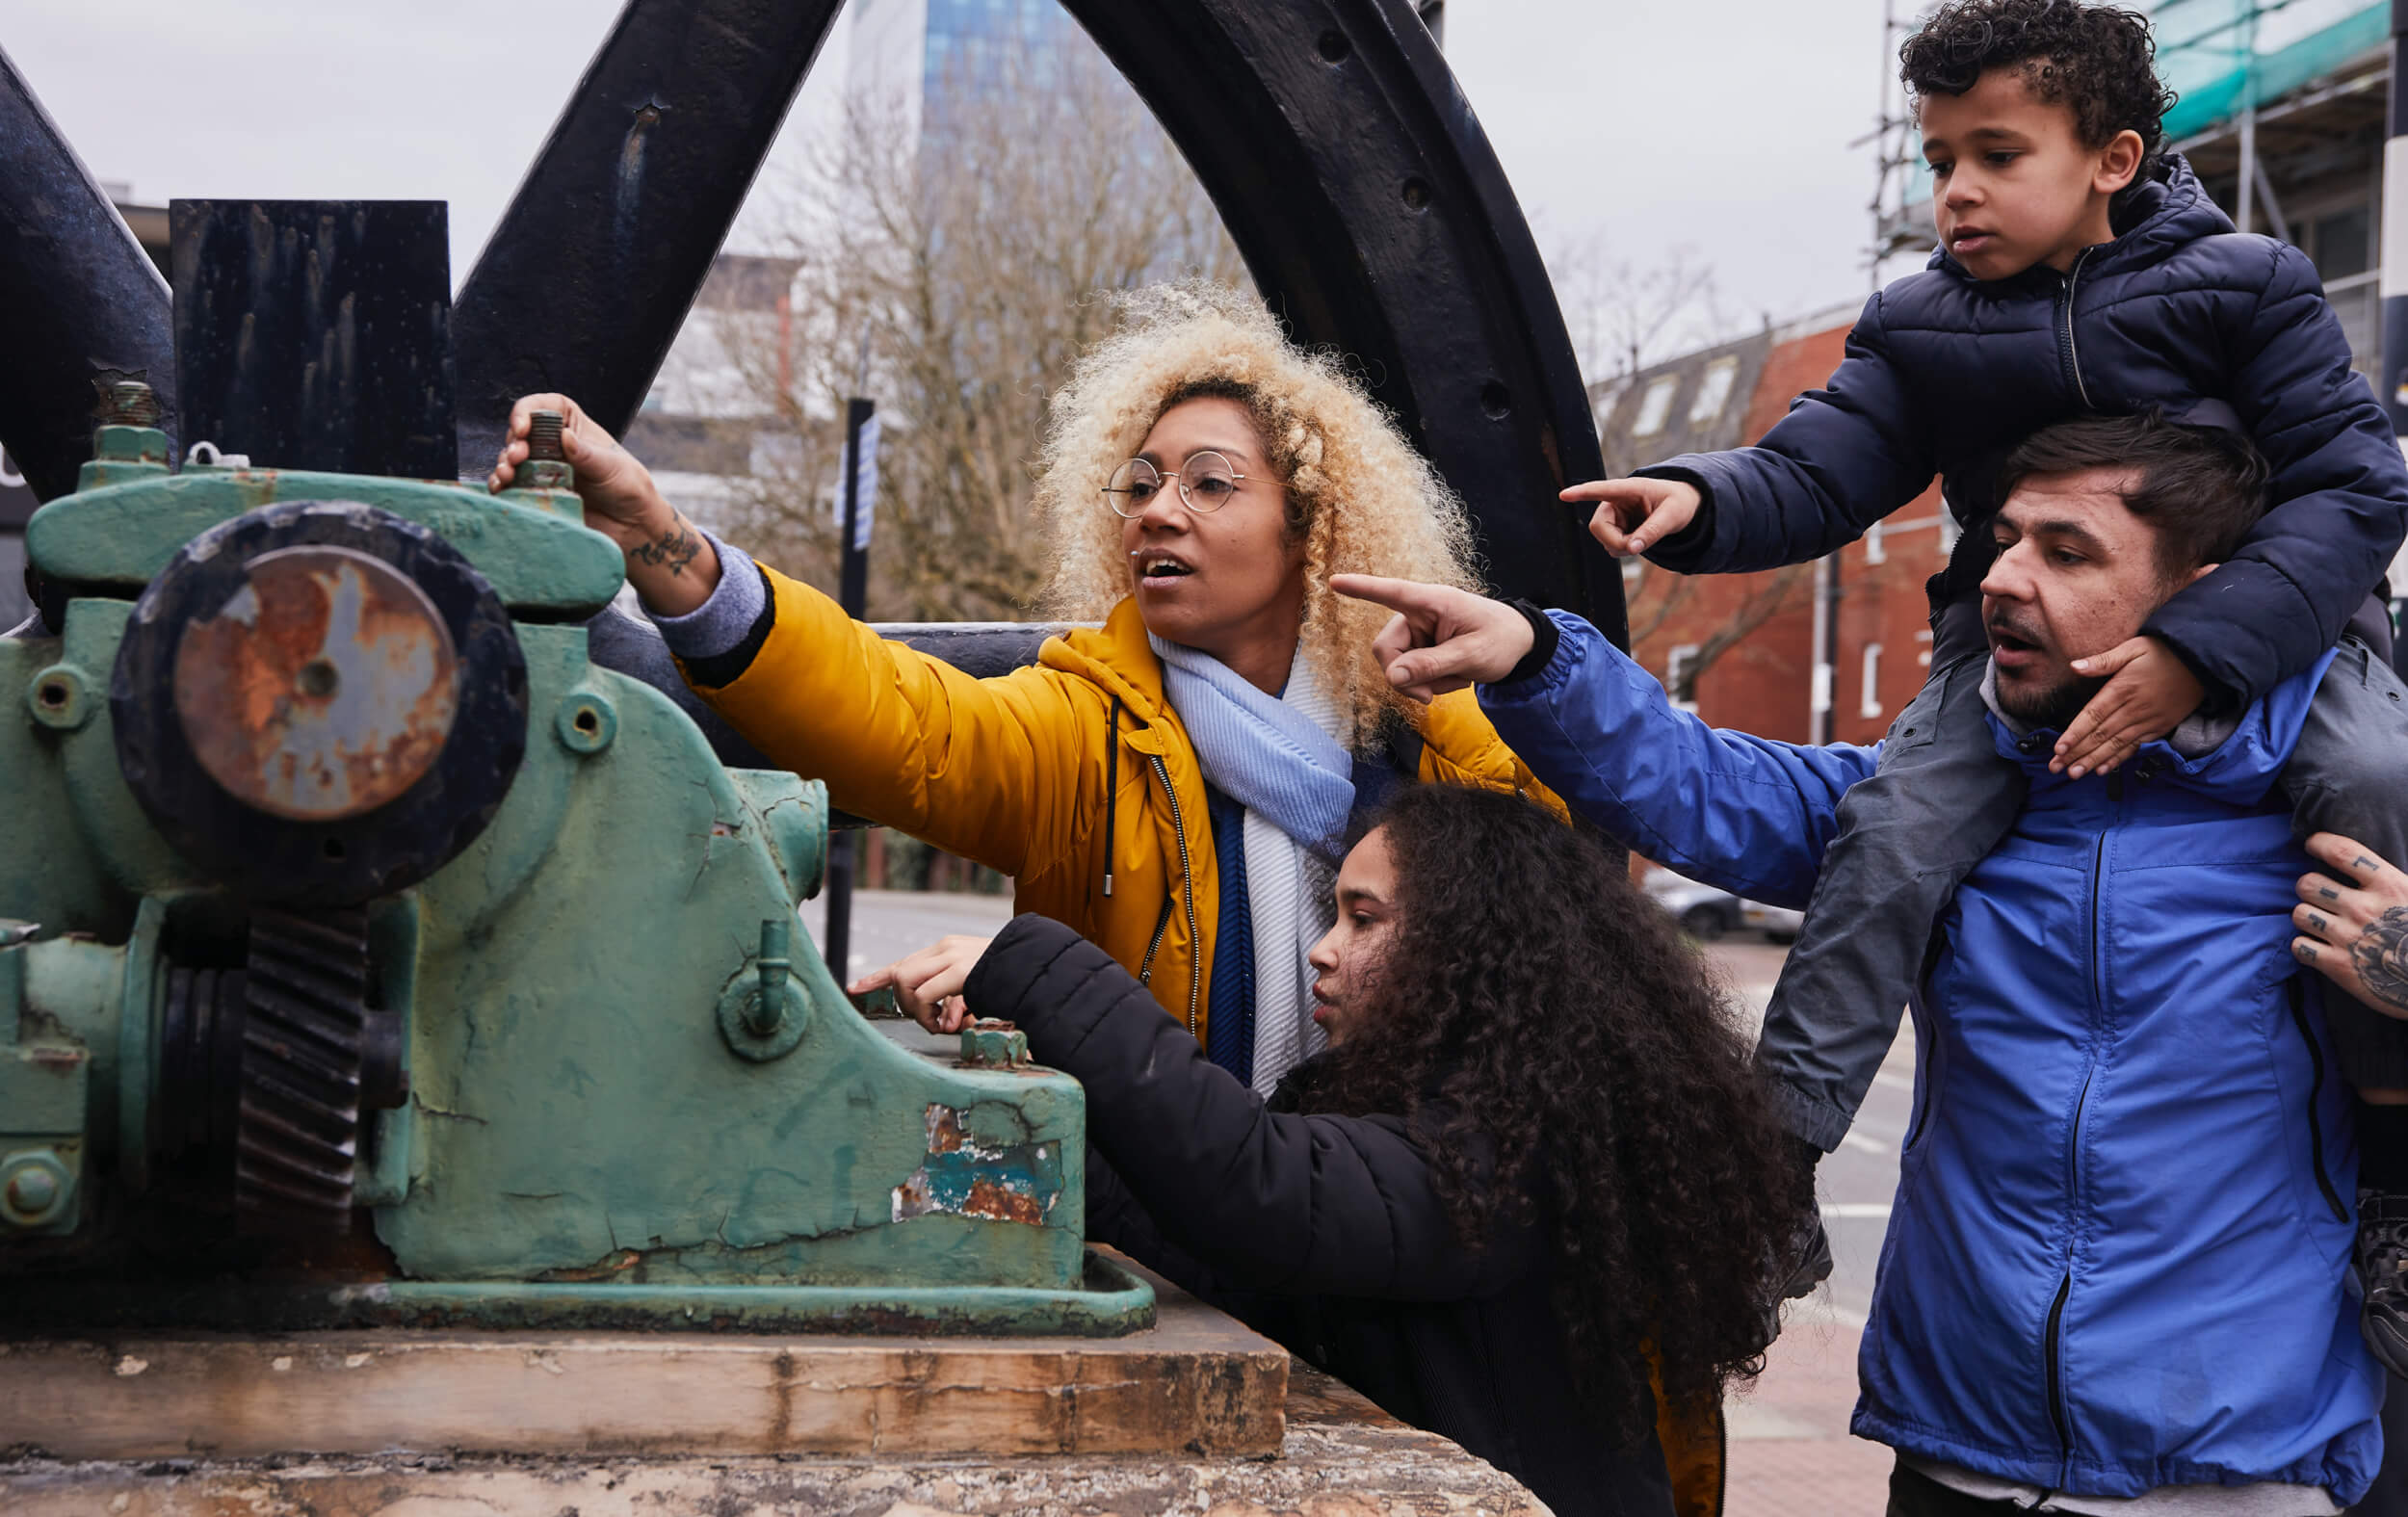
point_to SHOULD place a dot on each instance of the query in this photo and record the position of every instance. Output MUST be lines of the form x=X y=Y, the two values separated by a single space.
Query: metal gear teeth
x=298 y=1126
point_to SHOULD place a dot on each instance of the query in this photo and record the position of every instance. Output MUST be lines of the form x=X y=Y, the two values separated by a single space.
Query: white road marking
x=1895 y=1082
x=1865 y=1145
x=1857 y=1211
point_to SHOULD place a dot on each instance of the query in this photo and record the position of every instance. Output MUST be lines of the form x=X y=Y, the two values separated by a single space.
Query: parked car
x=1778 y=924
x=1706 y=912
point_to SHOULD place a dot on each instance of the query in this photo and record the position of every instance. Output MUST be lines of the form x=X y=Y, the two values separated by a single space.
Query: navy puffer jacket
x=1944 y=373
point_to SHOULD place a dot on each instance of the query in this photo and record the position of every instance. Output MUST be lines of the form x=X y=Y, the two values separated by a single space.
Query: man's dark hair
x=2202 y=487
x=2097 y=60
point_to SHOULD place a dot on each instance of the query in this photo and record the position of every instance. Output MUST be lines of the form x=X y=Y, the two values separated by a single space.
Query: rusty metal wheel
x=318 y=702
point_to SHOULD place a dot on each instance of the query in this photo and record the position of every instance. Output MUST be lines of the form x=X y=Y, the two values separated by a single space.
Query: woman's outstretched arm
x=985 y=769
x=671 y=564
x=1265 y=1200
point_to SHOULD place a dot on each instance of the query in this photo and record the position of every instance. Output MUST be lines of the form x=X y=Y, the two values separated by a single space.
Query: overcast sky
x=1719 y=125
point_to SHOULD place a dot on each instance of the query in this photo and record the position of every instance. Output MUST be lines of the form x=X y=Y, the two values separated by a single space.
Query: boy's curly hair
x=2097 y=60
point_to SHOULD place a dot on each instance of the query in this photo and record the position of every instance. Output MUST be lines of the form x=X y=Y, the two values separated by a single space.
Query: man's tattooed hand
x=2353 y=924
x=672 y=549
x=2380 y=956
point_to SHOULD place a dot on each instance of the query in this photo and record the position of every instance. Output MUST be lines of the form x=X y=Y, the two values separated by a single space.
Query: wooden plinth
x=1196 y=1382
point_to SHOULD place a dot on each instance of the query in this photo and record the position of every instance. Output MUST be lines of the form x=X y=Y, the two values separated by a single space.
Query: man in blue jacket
x=2118 y=1263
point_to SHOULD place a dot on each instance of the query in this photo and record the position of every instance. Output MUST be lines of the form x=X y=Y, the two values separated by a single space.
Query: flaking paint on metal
x=1005 y=1182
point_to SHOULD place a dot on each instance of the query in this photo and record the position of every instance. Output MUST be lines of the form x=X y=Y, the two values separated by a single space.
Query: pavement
x=1791 y=1454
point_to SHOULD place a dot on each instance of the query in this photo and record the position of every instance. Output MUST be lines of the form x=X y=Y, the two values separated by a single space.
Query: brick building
x=1740 y=649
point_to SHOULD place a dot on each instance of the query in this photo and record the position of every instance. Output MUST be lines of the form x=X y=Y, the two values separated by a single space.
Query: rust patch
x=961 y=1177
x=1004 y=1204
x=608 y=1267
x=323 y=688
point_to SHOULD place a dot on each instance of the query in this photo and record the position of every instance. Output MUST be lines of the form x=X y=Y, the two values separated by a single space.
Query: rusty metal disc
x=318 y=702
x=323 y=688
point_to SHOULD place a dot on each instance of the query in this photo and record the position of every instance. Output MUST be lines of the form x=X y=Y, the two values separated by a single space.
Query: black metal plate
x=317 y=334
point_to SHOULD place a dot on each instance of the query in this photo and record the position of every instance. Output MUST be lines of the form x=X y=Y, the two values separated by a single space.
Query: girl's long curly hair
x=1359 y=497
x=1560 y=1051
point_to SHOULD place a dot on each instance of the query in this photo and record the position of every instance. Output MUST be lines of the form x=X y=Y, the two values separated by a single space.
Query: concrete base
x=1197 y=1416
x=1341 y=1458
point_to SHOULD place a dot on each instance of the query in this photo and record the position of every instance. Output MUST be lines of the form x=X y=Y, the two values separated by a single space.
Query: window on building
x=1655 y=408
x=1714 y=391
x=1869 y=701
x=1875 y=553
x=1680 y=675
x=2338 y=244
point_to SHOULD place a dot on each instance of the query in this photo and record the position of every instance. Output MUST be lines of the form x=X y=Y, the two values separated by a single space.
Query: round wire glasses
x=1205 y=484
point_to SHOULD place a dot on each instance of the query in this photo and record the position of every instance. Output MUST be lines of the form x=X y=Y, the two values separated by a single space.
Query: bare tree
x=951 y=267
x=1624 y=316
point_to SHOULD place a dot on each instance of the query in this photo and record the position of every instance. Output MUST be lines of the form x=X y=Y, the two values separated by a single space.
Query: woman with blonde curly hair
x=1178 y=783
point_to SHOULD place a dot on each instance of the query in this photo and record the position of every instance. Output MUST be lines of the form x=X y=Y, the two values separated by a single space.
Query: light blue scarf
x=1279 y=758
x=1262 y=752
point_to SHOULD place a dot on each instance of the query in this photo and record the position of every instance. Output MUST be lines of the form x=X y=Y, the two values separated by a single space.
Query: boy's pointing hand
x=1634 y=515
x=1441 y=638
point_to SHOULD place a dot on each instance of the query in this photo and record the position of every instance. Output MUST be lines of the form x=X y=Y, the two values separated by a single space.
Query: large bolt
x=547 y=459
x=128 y=403
x=33 y=1186
x=543 y=437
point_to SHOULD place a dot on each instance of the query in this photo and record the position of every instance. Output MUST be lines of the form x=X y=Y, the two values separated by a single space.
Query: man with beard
x=2118 y=1263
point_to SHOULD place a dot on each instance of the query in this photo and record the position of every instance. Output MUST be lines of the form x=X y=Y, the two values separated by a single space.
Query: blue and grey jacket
x=2119 y=1256
x=1944 y=373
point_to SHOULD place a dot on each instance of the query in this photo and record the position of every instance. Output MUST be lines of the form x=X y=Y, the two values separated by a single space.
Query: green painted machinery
x=370 y=954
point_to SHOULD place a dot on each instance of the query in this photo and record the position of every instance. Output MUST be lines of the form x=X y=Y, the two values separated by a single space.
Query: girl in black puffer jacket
x=1534 y=1159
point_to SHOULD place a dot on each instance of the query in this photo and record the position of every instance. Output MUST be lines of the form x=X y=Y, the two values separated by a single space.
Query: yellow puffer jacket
x=1074 y=775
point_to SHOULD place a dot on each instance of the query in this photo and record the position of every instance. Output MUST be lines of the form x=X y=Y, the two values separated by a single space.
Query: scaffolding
x=2226 y=60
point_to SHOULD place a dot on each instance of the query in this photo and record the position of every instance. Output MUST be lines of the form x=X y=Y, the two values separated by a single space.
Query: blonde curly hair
x=1360 y=498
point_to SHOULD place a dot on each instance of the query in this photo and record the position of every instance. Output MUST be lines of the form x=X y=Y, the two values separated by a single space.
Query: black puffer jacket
x=1945 y=374
x=1325 y=1232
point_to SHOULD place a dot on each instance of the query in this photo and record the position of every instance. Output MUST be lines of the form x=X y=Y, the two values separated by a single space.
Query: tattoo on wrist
x=672 y=549
x=2381 y=957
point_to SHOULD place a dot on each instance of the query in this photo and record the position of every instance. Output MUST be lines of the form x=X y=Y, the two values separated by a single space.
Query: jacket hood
x=2233 y=759
x=2167 y=210
x=1116 y=657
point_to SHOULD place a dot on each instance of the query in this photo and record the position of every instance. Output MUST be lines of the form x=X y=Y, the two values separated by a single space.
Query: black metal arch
x=1345 y=161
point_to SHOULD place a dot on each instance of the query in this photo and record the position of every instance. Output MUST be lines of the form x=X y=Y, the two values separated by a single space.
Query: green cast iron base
x=1109 y=1302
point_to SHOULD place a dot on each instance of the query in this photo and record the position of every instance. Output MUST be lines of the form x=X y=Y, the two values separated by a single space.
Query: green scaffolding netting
x=2221 y=56
x=2224 y=55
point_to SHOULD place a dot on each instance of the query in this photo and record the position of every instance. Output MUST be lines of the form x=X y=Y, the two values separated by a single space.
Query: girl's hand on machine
x=672 y=565
x=928 y=985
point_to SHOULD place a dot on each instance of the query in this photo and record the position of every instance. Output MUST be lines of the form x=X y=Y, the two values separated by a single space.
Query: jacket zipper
x=2067 y=351
x=2053 y=1339
x=1111 y=797
x=1186 y=880
x=2316 y=1087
